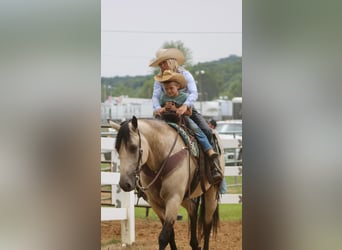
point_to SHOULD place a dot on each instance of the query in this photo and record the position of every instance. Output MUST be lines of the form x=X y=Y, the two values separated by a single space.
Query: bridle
x=138 y=168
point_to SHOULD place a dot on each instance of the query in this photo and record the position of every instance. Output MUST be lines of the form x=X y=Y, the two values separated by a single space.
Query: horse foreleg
x=206 y=232
x=193 y=231
x=172 y=239
x=192 y=207
x=166 y=236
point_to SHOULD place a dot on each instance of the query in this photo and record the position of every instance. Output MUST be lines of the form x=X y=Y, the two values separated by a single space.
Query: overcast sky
x=132 y=31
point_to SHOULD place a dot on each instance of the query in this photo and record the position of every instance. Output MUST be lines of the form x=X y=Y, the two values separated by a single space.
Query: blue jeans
x=200 y=121
x=200 y=136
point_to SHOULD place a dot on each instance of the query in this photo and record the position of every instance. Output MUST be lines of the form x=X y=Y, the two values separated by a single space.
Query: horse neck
x=160 y=139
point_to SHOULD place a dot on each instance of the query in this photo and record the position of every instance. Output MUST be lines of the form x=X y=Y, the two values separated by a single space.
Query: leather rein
x=139 y=166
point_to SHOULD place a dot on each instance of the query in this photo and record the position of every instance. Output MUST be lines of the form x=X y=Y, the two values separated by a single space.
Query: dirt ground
x=229 y=236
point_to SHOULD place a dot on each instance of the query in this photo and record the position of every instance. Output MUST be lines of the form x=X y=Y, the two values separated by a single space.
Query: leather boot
x=215 y=166
x=211 y=153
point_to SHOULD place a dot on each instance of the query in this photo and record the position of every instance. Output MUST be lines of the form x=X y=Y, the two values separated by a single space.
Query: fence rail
x=124 y=213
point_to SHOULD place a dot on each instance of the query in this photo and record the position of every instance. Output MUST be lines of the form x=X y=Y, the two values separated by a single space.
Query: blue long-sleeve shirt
x=191 y=90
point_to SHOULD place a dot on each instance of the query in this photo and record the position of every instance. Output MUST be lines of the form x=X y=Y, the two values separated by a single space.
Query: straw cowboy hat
x=164 y=54
x=169 y=76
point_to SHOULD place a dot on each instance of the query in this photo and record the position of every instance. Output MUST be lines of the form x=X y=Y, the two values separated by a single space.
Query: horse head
x=129 y=147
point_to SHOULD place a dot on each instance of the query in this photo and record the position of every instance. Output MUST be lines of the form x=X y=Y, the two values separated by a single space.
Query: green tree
x=180 y=45
x=147 y=89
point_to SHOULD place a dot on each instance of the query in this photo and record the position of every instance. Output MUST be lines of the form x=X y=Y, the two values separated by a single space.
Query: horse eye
x=132 y=148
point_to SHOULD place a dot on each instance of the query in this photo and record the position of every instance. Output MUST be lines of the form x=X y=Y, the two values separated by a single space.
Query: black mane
x=123 y=135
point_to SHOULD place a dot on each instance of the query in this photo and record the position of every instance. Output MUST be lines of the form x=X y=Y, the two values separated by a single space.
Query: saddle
x=187 y=136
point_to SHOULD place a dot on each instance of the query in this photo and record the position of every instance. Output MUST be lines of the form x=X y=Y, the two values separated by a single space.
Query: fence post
x=124 y=211
x=128 y=226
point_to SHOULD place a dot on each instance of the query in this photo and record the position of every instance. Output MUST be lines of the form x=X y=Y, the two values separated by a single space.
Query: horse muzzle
x=127 y=183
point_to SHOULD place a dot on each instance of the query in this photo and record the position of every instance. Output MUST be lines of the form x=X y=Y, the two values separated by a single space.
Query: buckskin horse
x=154 y=157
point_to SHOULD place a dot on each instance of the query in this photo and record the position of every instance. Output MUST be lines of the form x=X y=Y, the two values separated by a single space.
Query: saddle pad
x=192 y=144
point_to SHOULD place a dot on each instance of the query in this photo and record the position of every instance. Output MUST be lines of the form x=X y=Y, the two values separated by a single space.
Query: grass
x=111 y=241
x=228 y=212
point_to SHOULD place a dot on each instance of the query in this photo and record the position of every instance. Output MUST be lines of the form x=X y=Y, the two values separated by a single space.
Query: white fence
x=232 y=198
x=125 y=213
x=126 y=201
x=232 y=154
x=142 y=107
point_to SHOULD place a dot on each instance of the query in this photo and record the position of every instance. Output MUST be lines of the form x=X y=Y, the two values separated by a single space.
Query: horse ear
x=115 y=125
x=134 y=122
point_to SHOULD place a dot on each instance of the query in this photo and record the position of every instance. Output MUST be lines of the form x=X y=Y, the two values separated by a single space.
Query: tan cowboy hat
x=164 y=54
x=169 y=76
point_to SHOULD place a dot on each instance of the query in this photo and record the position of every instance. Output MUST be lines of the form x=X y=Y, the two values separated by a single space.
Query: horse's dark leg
x=193 y=224
x=206 y=232
x=193 y=241
x=209 y=215
x=166 y=235
x=172 y=240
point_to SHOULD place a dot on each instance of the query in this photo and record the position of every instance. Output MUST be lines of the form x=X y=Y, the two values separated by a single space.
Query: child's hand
x=160 y=111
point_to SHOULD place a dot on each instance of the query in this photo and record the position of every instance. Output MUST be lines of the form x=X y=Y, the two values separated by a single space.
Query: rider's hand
x=160 y=111
x=181 y=110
